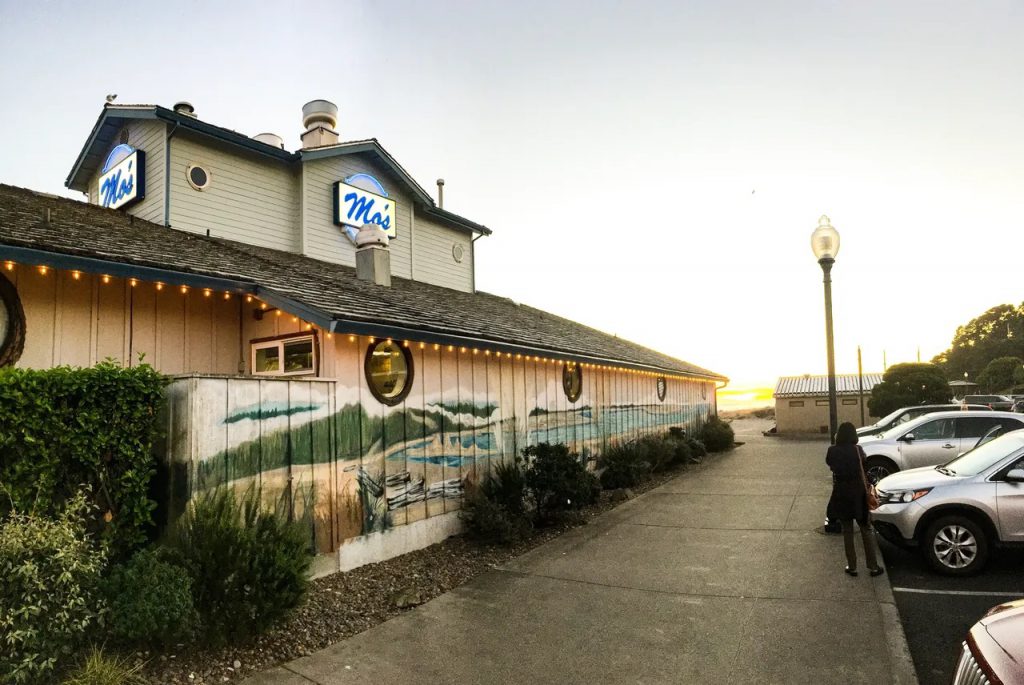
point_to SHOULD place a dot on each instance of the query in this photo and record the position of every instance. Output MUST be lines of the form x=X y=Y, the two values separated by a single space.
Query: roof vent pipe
x=270 y=139
x=319 y=117
x=440 y=193
x=185 y=108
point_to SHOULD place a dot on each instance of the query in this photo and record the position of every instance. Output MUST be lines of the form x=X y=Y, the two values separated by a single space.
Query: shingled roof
x=36 y=228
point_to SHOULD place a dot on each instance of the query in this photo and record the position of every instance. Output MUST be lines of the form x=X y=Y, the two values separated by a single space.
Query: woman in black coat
x=849 y=496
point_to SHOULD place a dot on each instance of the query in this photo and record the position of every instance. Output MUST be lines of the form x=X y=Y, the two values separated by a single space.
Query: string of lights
x=106 y=279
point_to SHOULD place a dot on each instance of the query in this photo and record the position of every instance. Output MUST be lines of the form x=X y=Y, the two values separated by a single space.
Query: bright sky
x=651 y=169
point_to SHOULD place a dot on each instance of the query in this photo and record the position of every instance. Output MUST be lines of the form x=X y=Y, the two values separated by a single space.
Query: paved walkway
x=717 y=576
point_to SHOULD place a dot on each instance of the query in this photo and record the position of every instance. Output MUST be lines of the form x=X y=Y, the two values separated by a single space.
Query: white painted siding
x=434 y=260
x=150 y=137
x=250 y=199
x=322 y=239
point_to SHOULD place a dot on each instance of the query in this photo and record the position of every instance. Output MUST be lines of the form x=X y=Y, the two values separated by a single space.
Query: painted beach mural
x=331 y=453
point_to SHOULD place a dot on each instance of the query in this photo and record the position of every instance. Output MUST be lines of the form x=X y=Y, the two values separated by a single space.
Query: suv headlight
x=903 y=496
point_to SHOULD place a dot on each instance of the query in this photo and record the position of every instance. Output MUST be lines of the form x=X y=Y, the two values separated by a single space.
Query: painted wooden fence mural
x=331 y=453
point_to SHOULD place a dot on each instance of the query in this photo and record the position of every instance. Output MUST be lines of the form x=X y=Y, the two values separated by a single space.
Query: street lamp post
x=825 y=244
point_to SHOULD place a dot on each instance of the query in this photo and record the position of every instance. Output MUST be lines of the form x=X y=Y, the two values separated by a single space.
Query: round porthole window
x=198 y=176
x=662 y=388
x=388 y=370
x=458 y=252
x=572 y=380
x=12 y=323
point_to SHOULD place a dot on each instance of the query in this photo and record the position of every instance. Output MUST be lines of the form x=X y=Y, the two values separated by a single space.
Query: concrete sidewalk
x=717 y=576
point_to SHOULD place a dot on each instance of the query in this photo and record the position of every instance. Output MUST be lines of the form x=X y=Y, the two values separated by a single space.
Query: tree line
x=987 y=350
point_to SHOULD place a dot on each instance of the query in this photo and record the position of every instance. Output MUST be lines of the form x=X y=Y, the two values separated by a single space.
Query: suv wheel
x=955 y=545
x=878 y=468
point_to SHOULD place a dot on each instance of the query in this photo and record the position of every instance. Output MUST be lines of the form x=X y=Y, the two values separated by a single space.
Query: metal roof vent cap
x=185 y=108
x=369 y=235
x=270 y=139
x=319 y=113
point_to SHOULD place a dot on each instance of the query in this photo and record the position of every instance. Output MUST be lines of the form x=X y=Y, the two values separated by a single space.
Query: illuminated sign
x=123 y=179
x=361 y=199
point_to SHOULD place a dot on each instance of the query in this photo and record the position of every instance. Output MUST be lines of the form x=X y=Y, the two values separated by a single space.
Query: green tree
x=999 y=332
x=1000 y=373
x=906 y=385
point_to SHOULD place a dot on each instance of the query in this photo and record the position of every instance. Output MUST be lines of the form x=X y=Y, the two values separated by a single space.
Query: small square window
x=268 y=360
x=292 y=356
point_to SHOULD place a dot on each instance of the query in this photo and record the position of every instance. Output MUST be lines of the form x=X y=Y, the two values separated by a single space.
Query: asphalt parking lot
x=937 y=611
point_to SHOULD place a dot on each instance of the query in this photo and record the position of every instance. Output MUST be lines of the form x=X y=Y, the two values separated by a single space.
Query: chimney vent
x=270 y=139
x=373 y=257
x=440 y=193
x=185 y=108
x=319 y=117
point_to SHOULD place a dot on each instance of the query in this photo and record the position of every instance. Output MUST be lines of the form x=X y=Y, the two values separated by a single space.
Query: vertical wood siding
x=350 y=465
x=80 y=322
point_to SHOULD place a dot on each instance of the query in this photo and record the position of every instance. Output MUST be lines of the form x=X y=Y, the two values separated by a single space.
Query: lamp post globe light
x=825 y=245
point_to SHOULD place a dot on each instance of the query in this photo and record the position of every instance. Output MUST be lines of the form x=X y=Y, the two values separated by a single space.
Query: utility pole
x=860 y=384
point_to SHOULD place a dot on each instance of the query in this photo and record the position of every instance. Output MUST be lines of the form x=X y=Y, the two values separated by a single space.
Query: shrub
x=717 y=435
x=149 y=601
x=495 y=511
x=623 y=466
x=248 y=566
x=681 y=452
x=100 y=669
x=656 y=451
x=697 y=448
x=49 y=573
x=558 y=481
x=64 y=427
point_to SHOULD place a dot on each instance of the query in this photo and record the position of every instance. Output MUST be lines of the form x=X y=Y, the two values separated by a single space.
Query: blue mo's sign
x=361 y=199
x=123 y=179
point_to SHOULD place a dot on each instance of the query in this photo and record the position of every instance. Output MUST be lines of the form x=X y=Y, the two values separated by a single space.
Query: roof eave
x=370 y=145
x=225 y=135
x=73 y=180
x=77 y=181
x=459 y=221
x=421 y=195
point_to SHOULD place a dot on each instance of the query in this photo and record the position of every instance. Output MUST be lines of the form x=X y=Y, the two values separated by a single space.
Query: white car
x=957 y=511
x=933 y=439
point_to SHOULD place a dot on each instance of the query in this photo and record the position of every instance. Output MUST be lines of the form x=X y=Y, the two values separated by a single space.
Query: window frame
x=279 y=341
x=410 y=373
x=567 y=377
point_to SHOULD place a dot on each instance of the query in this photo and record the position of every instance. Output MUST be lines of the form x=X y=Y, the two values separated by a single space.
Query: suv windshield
x=977 y=460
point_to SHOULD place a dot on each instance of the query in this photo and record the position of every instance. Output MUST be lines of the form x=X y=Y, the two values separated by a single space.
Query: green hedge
x=68 y=429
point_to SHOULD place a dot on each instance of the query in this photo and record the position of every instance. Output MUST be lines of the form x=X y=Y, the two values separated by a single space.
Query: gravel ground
x=344 y=604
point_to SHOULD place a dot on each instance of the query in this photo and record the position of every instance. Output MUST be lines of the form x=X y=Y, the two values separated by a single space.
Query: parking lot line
x=971 y=593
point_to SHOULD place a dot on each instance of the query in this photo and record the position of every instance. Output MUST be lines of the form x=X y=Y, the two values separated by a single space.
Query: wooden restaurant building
x=318 y=312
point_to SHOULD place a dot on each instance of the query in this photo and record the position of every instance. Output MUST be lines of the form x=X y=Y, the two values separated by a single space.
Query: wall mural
x=335 y=456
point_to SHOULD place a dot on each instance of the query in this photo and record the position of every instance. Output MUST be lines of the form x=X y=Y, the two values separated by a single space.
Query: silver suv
x=957 y=511
x=909 y=413
x=933 y=439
